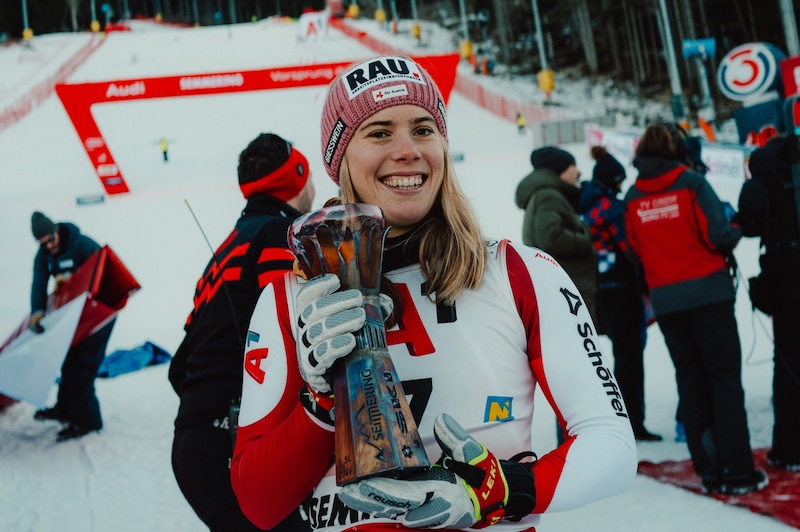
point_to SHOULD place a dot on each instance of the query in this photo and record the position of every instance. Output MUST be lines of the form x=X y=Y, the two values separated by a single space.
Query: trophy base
x=375 y=427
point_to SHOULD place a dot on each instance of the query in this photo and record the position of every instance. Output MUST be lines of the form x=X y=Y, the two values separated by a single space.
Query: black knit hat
x=771 y=160
x=552 y=158
x=41 y=225
x=271 y=165
x=607 y=170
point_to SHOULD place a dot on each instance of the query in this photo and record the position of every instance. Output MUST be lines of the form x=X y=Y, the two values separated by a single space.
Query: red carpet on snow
x=780 y=500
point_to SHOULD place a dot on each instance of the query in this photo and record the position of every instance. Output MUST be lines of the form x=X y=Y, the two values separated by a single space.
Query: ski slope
x=121 y=479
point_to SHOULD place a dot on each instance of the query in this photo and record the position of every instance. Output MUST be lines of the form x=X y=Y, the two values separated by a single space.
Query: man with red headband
x=206 y=371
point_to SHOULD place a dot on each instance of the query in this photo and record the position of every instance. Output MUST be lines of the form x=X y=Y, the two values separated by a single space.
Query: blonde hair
x=452 y=252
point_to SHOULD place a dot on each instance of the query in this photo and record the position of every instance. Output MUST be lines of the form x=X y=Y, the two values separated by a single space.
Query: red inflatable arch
x=78 y=98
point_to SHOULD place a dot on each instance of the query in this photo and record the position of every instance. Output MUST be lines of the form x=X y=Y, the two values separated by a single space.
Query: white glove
x=326 y=321
x=440 y=498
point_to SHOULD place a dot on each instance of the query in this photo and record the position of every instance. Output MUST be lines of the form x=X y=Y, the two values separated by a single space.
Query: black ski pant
x=77 y=401
x=201 y=462
x=704 y=345
x=622 y=313
x=786 y=384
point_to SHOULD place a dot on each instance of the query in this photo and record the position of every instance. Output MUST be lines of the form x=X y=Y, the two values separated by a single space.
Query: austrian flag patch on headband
x=381 y=70
x=389 y=92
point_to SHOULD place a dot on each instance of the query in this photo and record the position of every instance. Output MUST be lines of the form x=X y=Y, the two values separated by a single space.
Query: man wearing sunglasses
x=62 y=250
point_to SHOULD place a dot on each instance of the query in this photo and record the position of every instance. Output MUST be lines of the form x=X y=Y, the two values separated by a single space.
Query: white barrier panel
x=724 y=161
x=30 y=364
x=564 y=130
x=313 y=25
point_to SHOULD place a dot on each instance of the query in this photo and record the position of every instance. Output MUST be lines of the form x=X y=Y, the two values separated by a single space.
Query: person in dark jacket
x=768 y=208
x=549 y=196
x=62 y=250
x=206 y=371
x=678 y=228
x=620 y=303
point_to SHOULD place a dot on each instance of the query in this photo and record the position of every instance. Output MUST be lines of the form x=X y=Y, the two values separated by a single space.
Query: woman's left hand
x=467 y=488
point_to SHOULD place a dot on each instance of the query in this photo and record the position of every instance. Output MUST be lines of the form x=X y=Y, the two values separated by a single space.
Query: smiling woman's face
x=396 y=161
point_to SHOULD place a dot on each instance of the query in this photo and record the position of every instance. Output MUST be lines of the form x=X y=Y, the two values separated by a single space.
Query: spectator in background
x=678 y=228
x=62 y=250
x=768 y=209
x=620 y=303
x=206 y=371
x=549 y=196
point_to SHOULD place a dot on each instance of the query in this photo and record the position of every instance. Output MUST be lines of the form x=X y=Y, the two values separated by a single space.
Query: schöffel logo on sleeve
x=380 y=70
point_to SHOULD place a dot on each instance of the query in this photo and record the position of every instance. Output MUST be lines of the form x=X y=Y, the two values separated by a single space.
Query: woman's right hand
x=326 y=321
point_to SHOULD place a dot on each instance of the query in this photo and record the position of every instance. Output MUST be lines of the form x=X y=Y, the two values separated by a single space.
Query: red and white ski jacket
x=677 y=227
x=526 y=325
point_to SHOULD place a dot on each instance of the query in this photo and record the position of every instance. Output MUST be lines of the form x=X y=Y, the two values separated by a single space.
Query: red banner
x=78 y=98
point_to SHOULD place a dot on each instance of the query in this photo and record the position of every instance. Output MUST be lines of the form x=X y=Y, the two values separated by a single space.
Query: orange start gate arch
x=78 y=98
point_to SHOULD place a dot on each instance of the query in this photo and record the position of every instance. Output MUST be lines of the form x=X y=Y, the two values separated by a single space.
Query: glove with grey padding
x=326 y=321
x=468 y=487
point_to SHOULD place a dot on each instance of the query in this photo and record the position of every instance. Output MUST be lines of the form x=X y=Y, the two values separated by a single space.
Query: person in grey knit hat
x=63 y=249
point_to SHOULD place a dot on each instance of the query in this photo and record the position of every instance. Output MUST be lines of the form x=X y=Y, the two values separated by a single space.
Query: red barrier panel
x=43 y=90
x=79 y=98
x=96 y=292
x=118 y=26
x=109 y=285
x=475 y=92
x=367 y=40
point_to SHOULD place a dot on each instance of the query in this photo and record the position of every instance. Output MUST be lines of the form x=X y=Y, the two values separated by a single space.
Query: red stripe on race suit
x=549 y=467
x=267 y=277
x=268 y=254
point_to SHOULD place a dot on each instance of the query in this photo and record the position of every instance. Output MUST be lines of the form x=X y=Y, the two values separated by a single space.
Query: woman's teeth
x=403 y=182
